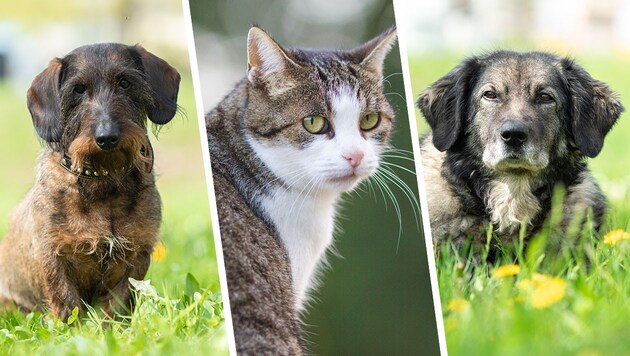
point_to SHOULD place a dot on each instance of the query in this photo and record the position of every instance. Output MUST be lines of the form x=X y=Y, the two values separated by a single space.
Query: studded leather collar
x=89 y=172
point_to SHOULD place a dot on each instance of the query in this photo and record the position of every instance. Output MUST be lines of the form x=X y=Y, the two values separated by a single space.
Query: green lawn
x=569 y=298
x=177 y=312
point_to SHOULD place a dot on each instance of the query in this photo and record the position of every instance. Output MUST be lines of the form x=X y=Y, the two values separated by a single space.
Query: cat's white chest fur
x=305 y=224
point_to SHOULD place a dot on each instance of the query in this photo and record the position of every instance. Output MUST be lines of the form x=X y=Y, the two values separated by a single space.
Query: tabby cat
x=301 y=129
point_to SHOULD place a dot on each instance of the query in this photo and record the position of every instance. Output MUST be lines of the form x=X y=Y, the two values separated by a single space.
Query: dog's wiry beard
x=133 y=152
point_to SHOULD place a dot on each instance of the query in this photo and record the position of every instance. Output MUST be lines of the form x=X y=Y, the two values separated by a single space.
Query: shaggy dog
x=90 y=221
x=507 y=129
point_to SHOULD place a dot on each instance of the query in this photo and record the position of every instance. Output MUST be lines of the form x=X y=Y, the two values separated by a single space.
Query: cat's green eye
x=370 y=121
x=316 y=124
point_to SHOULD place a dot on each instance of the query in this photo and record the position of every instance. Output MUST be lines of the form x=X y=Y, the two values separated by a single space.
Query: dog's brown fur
x=74 y=240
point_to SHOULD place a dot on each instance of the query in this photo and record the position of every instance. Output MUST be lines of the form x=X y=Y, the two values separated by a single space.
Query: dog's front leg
x=118 y=299
x=61 y=294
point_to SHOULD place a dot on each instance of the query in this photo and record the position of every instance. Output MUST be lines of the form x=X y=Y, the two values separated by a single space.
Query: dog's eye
x=79 y=89
x=489 y=94
x=545 y=98
x=124 y=83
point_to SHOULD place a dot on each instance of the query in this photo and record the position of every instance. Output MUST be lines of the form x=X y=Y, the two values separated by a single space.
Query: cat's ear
x=267 y=62
x=372 y=54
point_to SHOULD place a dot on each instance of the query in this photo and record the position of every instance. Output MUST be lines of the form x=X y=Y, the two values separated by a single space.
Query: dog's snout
x=107 y=135
x=514 y=133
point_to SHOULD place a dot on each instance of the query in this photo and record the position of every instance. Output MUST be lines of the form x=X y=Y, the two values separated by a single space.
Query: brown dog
x=92 y=218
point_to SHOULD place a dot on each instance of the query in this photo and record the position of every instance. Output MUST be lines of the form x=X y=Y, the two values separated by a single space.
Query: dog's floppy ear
x=42 y=99
x=164 y=83
x=594 y=108
x=444 y=104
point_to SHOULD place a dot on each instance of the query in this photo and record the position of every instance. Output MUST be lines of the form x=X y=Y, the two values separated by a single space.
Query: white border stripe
x=402 y=45
x=192 y=53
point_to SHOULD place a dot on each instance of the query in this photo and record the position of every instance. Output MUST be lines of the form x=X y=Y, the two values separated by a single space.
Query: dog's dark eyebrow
x=63 y=72
x=136 y=57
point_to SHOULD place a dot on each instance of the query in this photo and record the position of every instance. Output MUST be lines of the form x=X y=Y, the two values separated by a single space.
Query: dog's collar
x=89 y=172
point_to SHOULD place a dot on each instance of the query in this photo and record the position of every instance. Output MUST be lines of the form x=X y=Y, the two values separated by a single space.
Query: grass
x=179 y=305
x=571 y=292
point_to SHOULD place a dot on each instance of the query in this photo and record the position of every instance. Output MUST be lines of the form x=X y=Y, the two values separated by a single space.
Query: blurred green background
x=32 y=33
x=376 y=299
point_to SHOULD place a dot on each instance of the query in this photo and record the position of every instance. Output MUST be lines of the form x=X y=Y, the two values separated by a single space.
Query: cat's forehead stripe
x=336 y=73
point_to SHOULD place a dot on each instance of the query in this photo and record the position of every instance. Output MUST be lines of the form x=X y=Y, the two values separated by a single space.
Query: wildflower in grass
x=458 y=305
x=506 y=270
x=159 y=252
x=545 y=290
x=615 y=236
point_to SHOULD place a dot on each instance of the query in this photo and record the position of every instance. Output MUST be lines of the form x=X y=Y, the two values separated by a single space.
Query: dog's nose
x=107 y=135
x=514 y=133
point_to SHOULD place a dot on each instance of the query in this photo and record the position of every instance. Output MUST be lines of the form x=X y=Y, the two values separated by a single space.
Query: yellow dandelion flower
x=458 y=305
x=548 y=293
x=159 y=252
x=507 y=270
x=529 y=283
x=545 y=290
x=615 y=236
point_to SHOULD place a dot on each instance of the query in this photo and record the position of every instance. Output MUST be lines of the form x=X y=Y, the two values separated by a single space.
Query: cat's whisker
x=380 y=180
x=409 y=193
x=391 y=75
x=296 y=178
x=400 y=150
x=364 y=187
x=379 y=188
x=410 y=159
x=396 y=206
x=399 y=167
x=397 y=94
x=289 y=181
x=314 y=183
x=372 y=190
x=397 y=152
x=386 y=79
x=302 y=196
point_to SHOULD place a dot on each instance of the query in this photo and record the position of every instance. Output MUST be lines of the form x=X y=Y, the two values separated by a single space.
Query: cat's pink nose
x=354 y=158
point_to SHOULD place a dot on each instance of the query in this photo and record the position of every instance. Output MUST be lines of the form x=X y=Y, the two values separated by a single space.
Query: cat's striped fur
x=277 y=184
